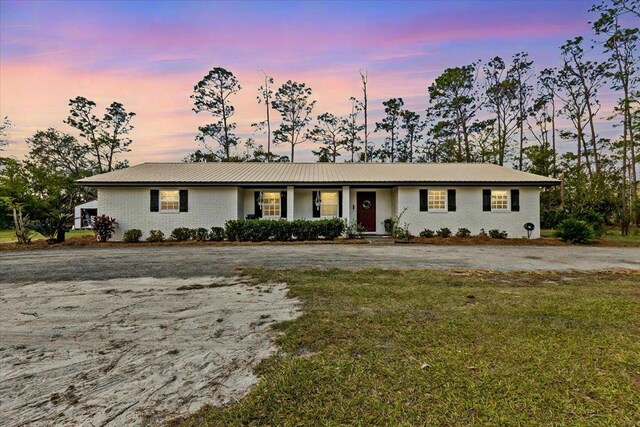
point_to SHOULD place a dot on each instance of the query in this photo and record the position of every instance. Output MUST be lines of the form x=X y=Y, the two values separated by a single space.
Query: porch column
x=346 y=203
x=290 y=202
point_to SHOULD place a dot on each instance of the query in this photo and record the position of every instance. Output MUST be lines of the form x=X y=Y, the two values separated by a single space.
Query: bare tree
x=264 y=96
x=364 y=77
x=521 y=72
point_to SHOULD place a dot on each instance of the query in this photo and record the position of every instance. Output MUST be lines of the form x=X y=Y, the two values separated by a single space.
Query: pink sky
x=149 y=55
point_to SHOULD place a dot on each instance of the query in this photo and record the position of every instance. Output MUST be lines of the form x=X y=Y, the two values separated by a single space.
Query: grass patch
x=8 y=235
x=446 y=348
x=610 y=237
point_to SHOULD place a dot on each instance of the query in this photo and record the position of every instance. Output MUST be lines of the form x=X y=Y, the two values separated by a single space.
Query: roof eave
x=547 y=183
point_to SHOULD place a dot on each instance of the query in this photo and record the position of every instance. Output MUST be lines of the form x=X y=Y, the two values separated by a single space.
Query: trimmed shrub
x=103 y=227
x=132 y=236
x=497 y=234
x=463 y=232
x=427 y=233
x=331 y=228
x=199 y=234
x=444 y=232
x=260 y=230
x=216 y=234
x=180 y=234
x=155 y=236
x=575 y=231
x=483 y=233
x=303 y=230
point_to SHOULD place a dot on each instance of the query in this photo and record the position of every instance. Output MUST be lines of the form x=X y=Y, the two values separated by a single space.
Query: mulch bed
x=89 y=241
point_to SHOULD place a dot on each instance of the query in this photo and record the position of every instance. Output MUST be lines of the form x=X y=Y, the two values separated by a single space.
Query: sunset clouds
x=149 y=55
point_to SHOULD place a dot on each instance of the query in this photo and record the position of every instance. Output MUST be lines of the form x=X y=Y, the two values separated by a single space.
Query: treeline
x=42 y=186
x=499 y=111
x=502 y=111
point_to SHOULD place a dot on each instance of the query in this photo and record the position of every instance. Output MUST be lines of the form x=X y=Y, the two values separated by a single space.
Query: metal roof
x=314 y=173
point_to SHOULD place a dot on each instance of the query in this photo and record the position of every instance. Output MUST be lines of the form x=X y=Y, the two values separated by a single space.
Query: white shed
x=83 y=215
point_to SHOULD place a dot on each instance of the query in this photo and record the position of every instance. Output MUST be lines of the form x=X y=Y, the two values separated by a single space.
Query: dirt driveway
x=131 y=351
x=190 y=261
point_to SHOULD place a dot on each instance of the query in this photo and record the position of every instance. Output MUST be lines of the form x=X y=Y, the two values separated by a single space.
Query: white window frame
x=507 y=207
x=336 y=204
x=278 y=204
x=160 y=200
x=445 y=199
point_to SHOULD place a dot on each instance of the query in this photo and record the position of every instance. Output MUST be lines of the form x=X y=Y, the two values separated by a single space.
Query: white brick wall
x=213 y=206
x=469 y=212
x=208 y=207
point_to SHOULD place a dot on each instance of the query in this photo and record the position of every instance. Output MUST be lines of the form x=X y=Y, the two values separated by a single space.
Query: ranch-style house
x=164 y=196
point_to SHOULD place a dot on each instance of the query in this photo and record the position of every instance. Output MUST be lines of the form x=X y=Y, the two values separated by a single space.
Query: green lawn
x=8 y=236
x=612 y=235
x=442 y=349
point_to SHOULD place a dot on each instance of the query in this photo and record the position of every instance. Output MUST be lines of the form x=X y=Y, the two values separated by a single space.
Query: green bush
x=155 y=236
x=483 y=233
x=180 y=234
x=354 y=230
x=199 y=234
x=550 y=218
x=575 y=231
x=53 y=228
x=497 y=234
x=216 y=234
x=260 y=230
x=463 y=232
x=330 y=228
x=103 y=227
x=132 y=236
x=303 y=230
x=444 y=232
x=427 y=233
x=594 y=219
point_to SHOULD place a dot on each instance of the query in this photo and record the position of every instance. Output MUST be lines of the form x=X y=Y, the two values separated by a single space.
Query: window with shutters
x=499 y=200
x=170 y=201
x=329 y=204
x=271 y=204
x=437 y=200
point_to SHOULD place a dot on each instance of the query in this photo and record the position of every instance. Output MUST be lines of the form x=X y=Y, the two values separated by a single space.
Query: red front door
x=366 y=209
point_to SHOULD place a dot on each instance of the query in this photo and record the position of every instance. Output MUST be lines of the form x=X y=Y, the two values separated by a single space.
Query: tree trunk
x=366 y=129
x=553 y=132
x=224 y=123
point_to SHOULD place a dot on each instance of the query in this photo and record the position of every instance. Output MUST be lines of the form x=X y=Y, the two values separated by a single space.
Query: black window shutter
x=451 y=200
x=256 y=206
x=283 y=204
x=154 y=205
x=316 y=209
x=515 y=200
x=486 y=200
x=424 y=200
x=340 y=204
x=184 y=200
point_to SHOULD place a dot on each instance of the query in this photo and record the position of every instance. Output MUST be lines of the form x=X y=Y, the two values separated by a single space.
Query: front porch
x=368 y=206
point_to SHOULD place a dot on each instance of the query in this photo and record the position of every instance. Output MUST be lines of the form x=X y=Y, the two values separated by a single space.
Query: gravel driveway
x=189 y=261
